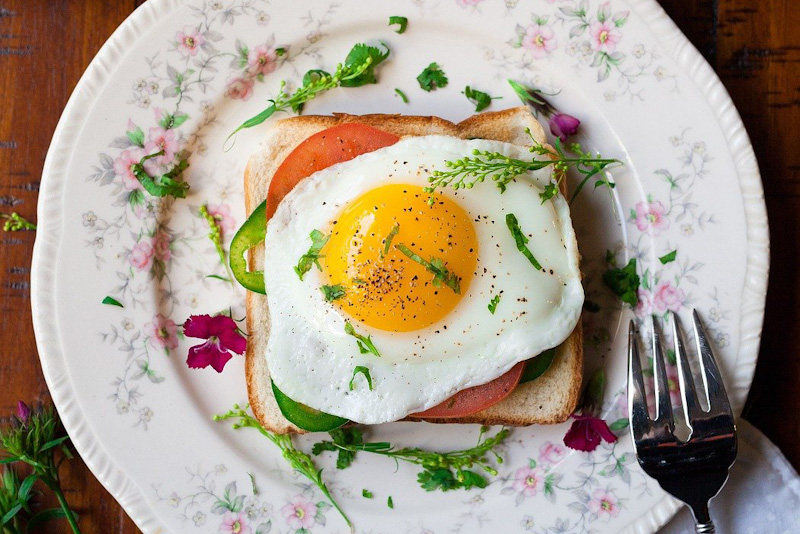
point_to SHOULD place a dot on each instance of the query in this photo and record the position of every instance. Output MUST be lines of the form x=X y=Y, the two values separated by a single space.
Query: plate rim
x=99 y=71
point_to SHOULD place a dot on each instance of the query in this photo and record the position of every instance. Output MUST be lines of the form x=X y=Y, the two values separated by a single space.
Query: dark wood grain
x=754 y=47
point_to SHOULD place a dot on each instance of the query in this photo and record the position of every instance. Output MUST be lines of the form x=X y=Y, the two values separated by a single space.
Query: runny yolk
x=391 y=291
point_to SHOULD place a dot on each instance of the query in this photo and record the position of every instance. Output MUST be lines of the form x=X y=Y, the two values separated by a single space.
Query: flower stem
x=55 y=487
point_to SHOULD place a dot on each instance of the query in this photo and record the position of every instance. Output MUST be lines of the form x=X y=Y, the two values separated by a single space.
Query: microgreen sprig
x=16 y=222
x=165 y=185
x=464 y=173
x=441 y=470
x=299 y=460
x=215 y=235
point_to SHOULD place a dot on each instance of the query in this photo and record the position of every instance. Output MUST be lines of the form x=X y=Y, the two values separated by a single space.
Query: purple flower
x=586 y=433
x=221 y=335
x=23 y=412
x=563 y=125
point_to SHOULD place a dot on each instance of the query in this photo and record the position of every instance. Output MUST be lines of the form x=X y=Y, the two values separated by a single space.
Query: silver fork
x=694 y=470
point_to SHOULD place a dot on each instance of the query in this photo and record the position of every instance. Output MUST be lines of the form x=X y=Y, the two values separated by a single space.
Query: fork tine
x=712 y=380
x=637 y=405
x=663 y=403
x=691 y=406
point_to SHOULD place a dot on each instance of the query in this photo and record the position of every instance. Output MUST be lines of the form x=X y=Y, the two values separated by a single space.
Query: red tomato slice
x=342 y=143
x=321 y=150
x=475 y=399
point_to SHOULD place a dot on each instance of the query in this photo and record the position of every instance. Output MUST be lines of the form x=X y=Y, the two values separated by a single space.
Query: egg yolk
x=403 y=264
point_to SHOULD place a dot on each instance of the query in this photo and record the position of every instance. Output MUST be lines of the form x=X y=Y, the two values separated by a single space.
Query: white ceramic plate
x=143 y=421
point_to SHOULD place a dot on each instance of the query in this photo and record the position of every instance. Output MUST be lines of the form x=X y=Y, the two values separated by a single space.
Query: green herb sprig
x=333 y=292
x=440 y=470
x=16 y=222
x=493 y=303
x=311 y=258
x=521 y=240
x=432 y=77
x=358 y=69
x=479 y=98
x=215 y=235
x=468 y=171
x=165 y=185
x=436 y=266
x=300 y=461
x=623 y=282
x=364 y=371
x=365 y=344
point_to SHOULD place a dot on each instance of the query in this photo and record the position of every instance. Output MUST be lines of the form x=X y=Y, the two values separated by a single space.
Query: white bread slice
x=551 y=398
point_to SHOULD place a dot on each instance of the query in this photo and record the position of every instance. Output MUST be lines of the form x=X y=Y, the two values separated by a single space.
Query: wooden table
x=754 y=47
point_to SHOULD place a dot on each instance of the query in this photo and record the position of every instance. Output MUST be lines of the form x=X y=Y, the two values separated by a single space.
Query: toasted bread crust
x=551 y=398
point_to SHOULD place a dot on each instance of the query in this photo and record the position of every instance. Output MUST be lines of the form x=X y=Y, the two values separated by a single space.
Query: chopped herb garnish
x=440 y=470
x=311 y=258
x=280 y=51
x=521 y=240
x=299 y=460
x=436 y=266
x=468 y=171
x=402 y=21
x=403 y=96
x=358 y=69
x=479 y=98
x=333 y=292
x=668 y=257
x=366 y=494
x=390 y=502
x=624 y=282
x=364 y=371
x=493 y=304
x=388 y=243
x=365 y=344
x=112 y=302
x=359 y=281
x=16 y=222
x=432 y=77
x=165 y=185
x=253 y=483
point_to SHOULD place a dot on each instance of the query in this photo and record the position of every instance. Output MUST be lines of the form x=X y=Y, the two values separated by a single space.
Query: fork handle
x=704 y=528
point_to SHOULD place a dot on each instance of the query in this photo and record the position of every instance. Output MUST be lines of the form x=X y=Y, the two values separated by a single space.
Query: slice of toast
x=551 y=398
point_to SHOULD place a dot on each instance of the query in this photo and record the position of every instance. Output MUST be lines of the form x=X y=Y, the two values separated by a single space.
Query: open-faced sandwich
x=391 y=294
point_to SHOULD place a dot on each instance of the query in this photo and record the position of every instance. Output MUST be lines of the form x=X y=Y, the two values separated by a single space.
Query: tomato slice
x=475 y=399
x=321 y=150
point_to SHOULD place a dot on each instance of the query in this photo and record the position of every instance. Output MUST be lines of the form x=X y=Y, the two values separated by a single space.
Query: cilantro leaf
x=436 y=266
x=493 y=304
x=364 y=371
x=432 y=77
x=401 y=21
x=624 y=282
x=479 y=98
x=365 y=344
x=668 y=257
x=359 y=55
x=332 y=292
x=311 y=258
x=521 y=240
x=342 y=439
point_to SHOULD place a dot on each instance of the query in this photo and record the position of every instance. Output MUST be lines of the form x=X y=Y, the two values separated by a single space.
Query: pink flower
x=235 y=524
x=604 y=504
x=261 y=60
x=540 y=40
x=123 y=167
x=300 y=512
x=667 y=297
x=161 y=242
x=161 y=139
x=141 y=257
x=651 y=217
x=529 y=480
x=189 y=40
x=239 y=88
x=221 y=335
x=586 y=433
x=23 y=412
x=551 y=453
x=644 y=306
x=222 y=214
x=163 y=332
x=563 y=125
x=605 y=35
x=672 y=385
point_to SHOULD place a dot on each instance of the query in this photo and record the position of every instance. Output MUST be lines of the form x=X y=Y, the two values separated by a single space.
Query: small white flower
x=687 y=229
x=152 y=88
x=251 y=511
x=572 y=48
x=127 y=324
x=660 y=73
x=216 y=5
x=220 y=469
x=527 y=522
x=144 y=102
x=638 y=50
x=199 y=519
x=192 y=300
x=266 y=509
x=722 y=339
x=511 y=4
x=610 y=96
x=89 y=218
x=262 y=18
x=714 y=314
x=174 y=500
x=139 y=85
x=123 y=407
x=145 y=414
x=98 y=242
x=586 y=48
x=699 y=147
x=675 y=140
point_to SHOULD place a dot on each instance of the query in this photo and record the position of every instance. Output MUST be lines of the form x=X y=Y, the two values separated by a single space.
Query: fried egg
x=412 y=281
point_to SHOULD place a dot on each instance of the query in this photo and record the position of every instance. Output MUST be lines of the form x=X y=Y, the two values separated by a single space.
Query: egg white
x=310 y=357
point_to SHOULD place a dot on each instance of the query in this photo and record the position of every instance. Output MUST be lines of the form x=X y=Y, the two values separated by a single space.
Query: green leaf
x=26 y=486
x=45 y=516
x=365 y=344
x=593 y=394
x=390 y=502
x=479 y=98
x=521 y=240
x=311 y=258
x=624 y=283
x=364 y=371
x=471 y=479
x=401 y=21
x=177 y=120
x=10 y=514
x=366 y=494
x=112 y=302
x=550 y=190
x=359 y=55
x=402 y=95
x=668 y=257
x=136 y=136
x=54 y=443
x=537 y=366
x=388 y=241
x=432 y=77
x=441 y=275
x=619 y=424
x=218 y=277
x=493 y=303
x=332 y=292
x=164 y=185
